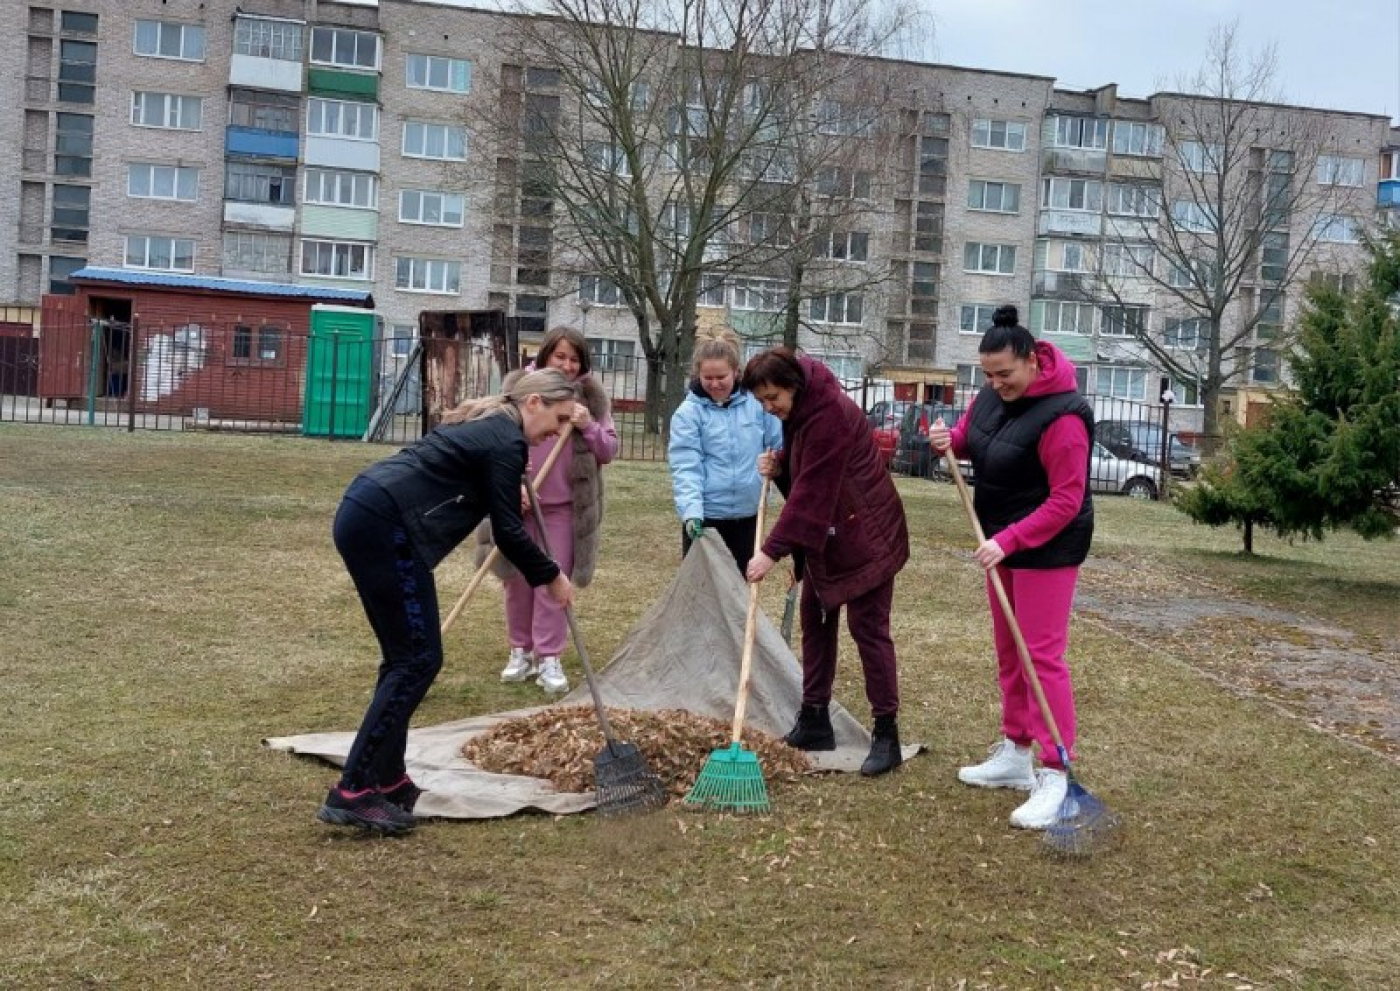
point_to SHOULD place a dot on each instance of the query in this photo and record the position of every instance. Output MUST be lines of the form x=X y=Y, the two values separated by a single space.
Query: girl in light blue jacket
x=717 y=434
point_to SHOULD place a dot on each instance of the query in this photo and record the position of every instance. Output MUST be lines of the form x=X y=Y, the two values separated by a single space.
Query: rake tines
x=624 y=782
x=731 y=779
x=1083 y=825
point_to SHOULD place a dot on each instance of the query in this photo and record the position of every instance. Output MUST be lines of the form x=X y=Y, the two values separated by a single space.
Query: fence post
x=1168 y=397
x=94 y=343
x=131 y=369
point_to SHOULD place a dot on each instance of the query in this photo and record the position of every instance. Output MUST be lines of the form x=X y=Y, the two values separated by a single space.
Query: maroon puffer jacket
x=842 y=514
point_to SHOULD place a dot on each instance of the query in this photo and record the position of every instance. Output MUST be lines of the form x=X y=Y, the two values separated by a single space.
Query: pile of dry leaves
x=559 y=745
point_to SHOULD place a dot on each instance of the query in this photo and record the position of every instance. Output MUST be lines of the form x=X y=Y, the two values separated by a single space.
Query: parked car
x=1112 y=475
x=912 y=455
x=1141 y=440
x=884 y=426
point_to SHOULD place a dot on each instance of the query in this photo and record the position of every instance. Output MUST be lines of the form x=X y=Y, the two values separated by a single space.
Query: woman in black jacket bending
x=398 y=519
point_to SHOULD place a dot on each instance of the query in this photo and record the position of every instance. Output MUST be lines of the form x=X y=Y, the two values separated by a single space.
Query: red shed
x=187 y=345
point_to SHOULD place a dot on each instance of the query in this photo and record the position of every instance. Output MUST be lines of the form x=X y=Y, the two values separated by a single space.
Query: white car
x=1111 y=474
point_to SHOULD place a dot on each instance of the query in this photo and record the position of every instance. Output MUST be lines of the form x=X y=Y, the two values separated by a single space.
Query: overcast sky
x=1336 y=54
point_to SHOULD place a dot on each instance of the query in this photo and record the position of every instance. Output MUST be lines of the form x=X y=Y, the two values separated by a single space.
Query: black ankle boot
x=885 y=754
x=813 y=729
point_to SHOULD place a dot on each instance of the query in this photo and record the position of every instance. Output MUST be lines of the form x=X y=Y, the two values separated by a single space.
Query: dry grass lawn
x=167 y=601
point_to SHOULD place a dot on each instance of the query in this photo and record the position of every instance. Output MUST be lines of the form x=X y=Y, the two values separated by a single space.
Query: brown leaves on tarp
x=559 y=745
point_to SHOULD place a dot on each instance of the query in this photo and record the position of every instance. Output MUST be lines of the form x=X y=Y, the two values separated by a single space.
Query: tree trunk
x=1249 y=536
x=656 y=377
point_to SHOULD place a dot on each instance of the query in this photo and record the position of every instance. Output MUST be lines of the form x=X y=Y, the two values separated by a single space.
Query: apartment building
x=329 y=142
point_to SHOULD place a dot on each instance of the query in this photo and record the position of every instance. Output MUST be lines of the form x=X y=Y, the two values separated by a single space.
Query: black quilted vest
x=1011 y=481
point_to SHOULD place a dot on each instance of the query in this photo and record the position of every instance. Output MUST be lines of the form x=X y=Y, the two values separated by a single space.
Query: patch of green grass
x=168 y=601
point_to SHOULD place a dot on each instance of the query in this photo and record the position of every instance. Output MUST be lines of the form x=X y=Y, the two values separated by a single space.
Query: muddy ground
x=1338 y=681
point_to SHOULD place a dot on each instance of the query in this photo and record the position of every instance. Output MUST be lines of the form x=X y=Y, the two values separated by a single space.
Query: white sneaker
x=551 y=677
x=1043 y=809
x=1006 y=766
x=521 y=666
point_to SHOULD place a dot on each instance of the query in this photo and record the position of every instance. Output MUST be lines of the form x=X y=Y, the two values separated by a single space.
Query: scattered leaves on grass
x=559 y=745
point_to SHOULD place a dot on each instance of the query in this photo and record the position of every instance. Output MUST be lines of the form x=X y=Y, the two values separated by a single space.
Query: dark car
x=1141 y=440
x=913 y=456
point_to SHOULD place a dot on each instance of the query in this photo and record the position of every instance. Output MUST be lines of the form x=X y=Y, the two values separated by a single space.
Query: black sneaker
x=404 y=794
x=367 y=809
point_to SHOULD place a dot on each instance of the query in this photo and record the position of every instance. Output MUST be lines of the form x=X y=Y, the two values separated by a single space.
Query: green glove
x=694 y=528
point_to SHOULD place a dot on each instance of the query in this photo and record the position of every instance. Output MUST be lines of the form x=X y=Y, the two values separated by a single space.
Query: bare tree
x=1238 y=217
x=669 y=146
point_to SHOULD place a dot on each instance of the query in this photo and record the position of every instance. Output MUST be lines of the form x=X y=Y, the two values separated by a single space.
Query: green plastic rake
x=732 y=778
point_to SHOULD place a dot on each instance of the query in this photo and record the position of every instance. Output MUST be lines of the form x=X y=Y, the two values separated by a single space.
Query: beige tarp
x=683 y=654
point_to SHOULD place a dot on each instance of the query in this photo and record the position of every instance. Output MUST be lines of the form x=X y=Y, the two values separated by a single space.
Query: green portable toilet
x=339 y=371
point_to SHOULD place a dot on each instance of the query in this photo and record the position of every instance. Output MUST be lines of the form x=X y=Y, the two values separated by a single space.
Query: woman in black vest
x=1027 y=434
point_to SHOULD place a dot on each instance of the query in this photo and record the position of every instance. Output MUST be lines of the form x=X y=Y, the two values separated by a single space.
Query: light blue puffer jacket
x=714 y=453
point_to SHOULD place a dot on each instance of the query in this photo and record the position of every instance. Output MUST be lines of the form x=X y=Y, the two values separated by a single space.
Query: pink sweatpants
x=1041 y=600
x=533 y=619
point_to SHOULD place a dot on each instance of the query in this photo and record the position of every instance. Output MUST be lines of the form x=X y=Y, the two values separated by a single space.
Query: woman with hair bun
x=717 y=434
x=1027 y=434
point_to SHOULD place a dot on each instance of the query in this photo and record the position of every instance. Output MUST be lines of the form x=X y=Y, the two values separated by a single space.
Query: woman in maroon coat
x=844 y=525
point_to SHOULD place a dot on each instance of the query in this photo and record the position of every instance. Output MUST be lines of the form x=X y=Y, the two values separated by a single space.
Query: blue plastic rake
x=1083 y=823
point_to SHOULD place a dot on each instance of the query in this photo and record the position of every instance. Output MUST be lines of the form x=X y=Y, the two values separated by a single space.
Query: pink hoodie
x=1063 y=450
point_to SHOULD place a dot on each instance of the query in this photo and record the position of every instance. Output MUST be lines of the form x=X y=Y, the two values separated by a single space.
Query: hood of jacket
x=1057 y=373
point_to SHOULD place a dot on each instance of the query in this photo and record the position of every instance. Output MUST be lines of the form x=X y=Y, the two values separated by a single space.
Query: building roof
x=210 y=283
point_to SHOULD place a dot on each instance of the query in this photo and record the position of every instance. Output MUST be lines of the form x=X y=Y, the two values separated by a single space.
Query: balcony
x=339 y=223
x=345 y=85
x=344 y=153
x=265 y=73
x=1093 y=160
x=264 y=215
x=254 y=141
x=1077 y=285
x=1070 y=222
x=1388 y=193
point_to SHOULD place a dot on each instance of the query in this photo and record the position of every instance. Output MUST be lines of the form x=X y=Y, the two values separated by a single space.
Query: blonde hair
x=549 y=384
x=716 y=343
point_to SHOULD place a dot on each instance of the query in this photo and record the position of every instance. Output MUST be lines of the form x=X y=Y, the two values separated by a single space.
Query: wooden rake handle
x=1006 y=609
x=480 y=575
x=741 y=701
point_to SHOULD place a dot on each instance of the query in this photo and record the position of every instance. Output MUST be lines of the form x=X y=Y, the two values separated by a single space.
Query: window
x=1264 y=366
x=1273 y=256
x=1338 y=170
x=1072 y=194
x=165 y=254
x=73 y=145
x=342 y=119
x=1076 y=132
x=773 y=229
x=998 y=197
x=712 y=291
x=534 y=255
x=70 y=212
x=335 y=187
x=841 y=307
x=834 y=117
x=263 y=346
x=401 y=338
x=598 y=290
x=1131 y=138
x=1270 y=324
x=337 y=259
x=1195 y=217
x=1134 y=201
x=438 y=72
x=161 y=39
x=607 y=157
x=923 y=289
x=344 y=47
x=975 y=318
x=761 y=295
x=248 y=182
x=609 y=355
x=1196 y=273
x=993 y=259
x=77 y=71
x=267 y=111
x=60 y=267
x=75 y=22
x=928 y=227
x=1128 y=260
x=441 y=141
x=844 y=183
x=541 y=78
x=1122 y=321
x=180 y=113
x=1063 y=256
x=1051 y=316
x=1200 y=158
x=1339 y=282
x=424 y=206
x=1121 y=382
x=434 y=275
x=1005 y=135
x=161 y=182
x=845 y=246
x=267 y=39
x=1337 y=228
x=1189 y=334
x=933 y=166
x=268 y=254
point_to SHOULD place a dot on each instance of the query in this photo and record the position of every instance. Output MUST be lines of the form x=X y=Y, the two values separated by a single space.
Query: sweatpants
x=738 y=535
x=1041 y=600
x=400 y=599
x=868 y=619
x=533 y=619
